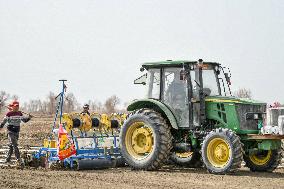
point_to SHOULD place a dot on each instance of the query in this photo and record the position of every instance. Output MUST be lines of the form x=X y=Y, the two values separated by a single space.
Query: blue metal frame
x=90 y=153
x=97 y=152
x=60 y=103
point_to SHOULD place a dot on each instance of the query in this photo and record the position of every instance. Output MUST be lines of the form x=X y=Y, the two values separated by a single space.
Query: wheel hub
x=221 y=152
x=218 y=152
x=142 y=140
x=139 y=140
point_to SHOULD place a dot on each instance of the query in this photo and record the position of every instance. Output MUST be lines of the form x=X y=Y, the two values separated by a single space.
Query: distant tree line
x=71 y=104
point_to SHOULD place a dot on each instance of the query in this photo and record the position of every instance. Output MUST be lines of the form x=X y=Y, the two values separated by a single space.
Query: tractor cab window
x=153 y=82
x=175 y=94
x=210 y=83
x=175 y=86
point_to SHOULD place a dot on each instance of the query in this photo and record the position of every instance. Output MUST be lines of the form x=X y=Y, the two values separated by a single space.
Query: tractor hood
x=233 y=99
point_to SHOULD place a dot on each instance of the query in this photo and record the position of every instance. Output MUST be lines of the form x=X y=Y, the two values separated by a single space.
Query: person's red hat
x=14 y=104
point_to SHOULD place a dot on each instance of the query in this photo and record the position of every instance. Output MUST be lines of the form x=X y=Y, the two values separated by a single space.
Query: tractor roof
x=172 y=63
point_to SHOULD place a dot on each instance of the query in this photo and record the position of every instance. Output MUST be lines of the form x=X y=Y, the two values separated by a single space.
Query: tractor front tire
x=145 y=140
x=264 y=161
x=222 y=151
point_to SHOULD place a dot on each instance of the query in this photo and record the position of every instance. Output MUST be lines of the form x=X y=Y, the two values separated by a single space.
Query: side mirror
x=141 y=80
x=228 y=78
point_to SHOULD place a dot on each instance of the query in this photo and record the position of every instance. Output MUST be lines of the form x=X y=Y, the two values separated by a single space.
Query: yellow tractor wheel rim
x=261 y=159
x=218 y=152
x=184 y=154
x=139 y=140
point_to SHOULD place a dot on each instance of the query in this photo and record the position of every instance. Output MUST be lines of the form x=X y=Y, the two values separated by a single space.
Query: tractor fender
x=157 y=106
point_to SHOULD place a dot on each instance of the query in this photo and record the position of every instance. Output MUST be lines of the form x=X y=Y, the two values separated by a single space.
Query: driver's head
x=86 y=107
x=182 y=75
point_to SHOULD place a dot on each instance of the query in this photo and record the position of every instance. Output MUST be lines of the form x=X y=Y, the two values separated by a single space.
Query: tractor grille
x=275 y=113
x=242 y=109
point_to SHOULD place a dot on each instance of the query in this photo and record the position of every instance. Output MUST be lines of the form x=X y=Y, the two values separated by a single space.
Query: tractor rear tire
x=222 y=151
x=145 y=140
x=192 y=160
x=265 y=161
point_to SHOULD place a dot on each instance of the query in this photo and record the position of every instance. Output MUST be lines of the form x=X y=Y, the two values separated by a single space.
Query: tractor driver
x=86 y=109
x=176 y=93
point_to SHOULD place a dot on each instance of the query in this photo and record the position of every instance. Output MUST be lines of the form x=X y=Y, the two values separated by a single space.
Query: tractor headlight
x=255 y=116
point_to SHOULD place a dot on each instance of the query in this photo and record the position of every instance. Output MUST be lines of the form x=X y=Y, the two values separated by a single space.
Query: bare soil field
x=126 y=178
x=36 y=130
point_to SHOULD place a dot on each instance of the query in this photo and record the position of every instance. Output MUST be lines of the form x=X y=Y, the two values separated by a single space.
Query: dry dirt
x=36 y=130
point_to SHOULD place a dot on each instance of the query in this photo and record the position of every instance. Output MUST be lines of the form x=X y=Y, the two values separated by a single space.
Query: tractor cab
x=183 y=86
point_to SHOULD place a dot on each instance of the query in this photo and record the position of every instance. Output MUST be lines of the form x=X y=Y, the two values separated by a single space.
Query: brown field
x=37 y=129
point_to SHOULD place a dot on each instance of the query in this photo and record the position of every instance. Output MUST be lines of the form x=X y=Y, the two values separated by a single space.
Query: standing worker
x=86 y=119
x=14 y=118
x=86 y=109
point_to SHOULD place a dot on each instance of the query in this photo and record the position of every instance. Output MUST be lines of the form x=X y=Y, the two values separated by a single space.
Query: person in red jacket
x=13 y=120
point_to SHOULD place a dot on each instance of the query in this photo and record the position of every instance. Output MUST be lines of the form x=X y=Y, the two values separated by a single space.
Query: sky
x=99 y=46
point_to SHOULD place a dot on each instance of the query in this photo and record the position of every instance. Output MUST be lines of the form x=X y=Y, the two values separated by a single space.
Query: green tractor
x=190 y=117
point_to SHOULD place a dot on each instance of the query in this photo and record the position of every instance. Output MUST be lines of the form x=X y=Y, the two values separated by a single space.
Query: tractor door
x=195 y=100
x=205 y=83
x=175 y=94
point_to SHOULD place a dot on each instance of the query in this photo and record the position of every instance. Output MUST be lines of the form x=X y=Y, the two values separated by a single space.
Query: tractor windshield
x=210 y=82
x=211 y=85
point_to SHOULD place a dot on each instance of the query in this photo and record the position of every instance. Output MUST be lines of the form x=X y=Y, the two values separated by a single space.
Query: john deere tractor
x=190 y=116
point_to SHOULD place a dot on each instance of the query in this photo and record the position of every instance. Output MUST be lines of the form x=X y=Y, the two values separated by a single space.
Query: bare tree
x=51 y=103
x=243 y=93
x=24 y=107
x=111 y=103
x=4 y=96
x=95 y=106
x=71 y=103
x=44 y=107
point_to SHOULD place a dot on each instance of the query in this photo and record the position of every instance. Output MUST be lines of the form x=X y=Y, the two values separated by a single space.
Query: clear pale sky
x=99 y=45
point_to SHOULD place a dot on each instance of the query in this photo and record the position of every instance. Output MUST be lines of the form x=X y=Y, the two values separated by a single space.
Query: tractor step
x=264 y=137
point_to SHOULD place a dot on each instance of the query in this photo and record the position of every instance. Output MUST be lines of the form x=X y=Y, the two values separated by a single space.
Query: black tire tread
x=237 y=151
x=164 y=146
x=275 y=161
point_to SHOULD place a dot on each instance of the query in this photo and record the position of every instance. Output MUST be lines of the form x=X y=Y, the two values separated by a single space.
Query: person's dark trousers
x=13 y=145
